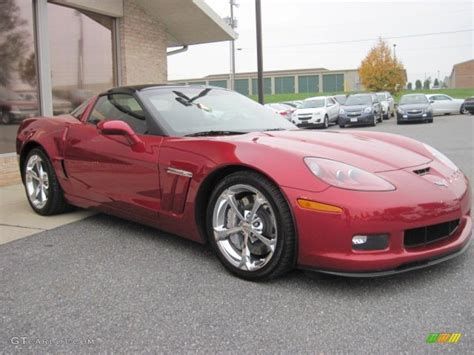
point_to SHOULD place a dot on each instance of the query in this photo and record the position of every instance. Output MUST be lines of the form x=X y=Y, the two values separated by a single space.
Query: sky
x=301 y=34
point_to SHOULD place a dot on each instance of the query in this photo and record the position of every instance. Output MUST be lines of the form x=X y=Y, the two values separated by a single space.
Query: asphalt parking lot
x=108 y=284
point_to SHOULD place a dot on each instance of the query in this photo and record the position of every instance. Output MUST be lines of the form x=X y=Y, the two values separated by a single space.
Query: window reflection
x=81 y=56
x=18 y=80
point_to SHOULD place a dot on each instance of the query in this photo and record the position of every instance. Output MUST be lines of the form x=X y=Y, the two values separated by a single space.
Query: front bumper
x=420 y=117
x=312 y=122
x=363 y=119
x=325 y=240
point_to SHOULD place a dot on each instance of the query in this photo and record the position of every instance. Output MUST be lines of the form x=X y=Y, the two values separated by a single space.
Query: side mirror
x=118 y=128
x=431 y=101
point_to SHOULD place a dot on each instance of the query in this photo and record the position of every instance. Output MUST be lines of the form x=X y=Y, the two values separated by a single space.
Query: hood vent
x=422 y=172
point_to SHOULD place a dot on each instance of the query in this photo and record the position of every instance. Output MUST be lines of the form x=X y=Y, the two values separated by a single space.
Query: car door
x=333 y=109
x=115 y=174
x=439 y=104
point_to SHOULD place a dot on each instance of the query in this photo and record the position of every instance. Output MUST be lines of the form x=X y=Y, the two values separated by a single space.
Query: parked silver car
x=388 y=104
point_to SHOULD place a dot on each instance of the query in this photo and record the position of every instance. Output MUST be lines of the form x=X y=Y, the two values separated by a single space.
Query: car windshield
x=413 y=99
x=358 y=100
x=341 y=99
x=191 y=110
x=381 y=97
x=316 y=103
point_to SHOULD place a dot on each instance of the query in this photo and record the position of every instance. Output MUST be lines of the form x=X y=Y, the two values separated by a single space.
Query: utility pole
x=233 y=24
x=395 y=51
x=258 y=17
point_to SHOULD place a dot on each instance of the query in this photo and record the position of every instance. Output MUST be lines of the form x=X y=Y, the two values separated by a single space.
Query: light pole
x=395 y=51
x=233 y=24
x=258 y=18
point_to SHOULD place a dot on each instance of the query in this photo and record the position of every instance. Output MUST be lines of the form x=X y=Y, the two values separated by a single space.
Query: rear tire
x=341 y=125
x=250 y=227
x=43 y=191
x=463 y=111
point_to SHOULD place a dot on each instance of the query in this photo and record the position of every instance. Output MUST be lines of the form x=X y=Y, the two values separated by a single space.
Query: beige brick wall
x=143 y=45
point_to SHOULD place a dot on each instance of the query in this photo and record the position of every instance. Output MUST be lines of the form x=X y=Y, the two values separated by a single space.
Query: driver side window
x=119 y=107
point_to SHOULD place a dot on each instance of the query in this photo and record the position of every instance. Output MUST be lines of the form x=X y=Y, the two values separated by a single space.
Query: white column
x=43 y=57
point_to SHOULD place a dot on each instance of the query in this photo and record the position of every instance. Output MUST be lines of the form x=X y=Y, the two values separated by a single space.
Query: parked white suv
x=388 y=104
x=317 y=111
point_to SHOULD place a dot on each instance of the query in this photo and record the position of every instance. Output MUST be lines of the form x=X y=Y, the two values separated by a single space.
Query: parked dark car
x=13 y=107
x=414 y=108
x=468 y=105
x=360 y=109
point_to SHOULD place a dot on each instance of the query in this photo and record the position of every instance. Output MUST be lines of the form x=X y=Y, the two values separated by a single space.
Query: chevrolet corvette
x=211 y=165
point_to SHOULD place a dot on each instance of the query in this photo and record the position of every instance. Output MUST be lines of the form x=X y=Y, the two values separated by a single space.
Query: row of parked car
x=369 y=109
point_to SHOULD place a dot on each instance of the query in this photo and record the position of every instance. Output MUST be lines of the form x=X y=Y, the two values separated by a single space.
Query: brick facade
x=143 y=44
x=462 y=75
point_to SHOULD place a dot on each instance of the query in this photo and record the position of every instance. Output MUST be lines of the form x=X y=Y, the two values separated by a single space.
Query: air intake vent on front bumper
x=425 y=235
x=422 y=171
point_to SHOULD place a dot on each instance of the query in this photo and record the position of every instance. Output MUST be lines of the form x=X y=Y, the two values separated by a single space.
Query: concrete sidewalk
x=18 y=220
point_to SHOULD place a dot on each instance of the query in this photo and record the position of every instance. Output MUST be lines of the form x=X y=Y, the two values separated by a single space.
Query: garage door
x=308 y=83
x=285 y=85
x=333 y=82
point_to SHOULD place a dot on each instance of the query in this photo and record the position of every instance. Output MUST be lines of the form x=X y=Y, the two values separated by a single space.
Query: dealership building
x=63 y=51
x=315 y=80
x=462 y=75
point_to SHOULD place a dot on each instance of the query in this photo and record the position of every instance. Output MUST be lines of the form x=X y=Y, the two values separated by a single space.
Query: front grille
x=425 y=235
x=414 y=112
x=304 y=117
x=354 y=114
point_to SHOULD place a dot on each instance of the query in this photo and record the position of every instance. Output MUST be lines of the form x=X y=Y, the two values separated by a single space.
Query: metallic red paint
x=109 y=173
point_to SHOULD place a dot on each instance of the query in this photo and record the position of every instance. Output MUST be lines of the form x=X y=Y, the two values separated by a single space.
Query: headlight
x=294 y=115
x=400 y=110
x=341 y=111
x=441 y=157
x=368 y=109
x=345 y=176
x=317 y=113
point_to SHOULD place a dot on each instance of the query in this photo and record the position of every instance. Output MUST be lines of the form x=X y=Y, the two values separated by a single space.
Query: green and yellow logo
x=443 y=338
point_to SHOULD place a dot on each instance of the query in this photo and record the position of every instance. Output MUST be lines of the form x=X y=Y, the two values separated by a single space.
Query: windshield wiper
x=213 y=133
x=275 y=129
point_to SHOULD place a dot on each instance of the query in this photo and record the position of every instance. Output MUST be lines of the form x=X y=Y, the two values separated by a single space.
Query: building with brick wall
x=311 y=80
x=462 y=75
x=68 y=50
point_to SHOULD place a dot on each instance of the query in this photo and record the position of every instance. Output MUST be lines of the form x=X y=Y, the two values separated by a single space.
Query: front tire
x=326 y=122
x=250 y=227
x=43 y=191
x=463 y=110
x=6 y=117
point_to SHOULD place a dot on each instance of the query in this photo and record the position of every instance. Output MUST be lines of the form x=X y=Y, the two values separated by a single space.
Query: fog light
x=405 y=116
x=370 y=242
x=359 y=239
x=424 y=115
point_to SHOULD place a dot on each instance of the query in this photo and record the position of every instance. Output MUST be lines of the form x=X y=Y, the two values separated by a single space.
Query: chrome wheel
x=37 y=181
x=245 y=227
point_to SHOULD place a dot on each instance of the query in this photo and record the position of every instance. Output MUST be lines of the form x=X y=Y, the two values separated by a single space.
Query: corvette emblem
x=441 y=183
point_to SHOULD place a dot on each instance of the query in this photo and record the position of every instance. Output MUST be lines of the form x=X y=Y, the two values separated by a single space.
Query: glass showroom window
x=18 y=80
x=81 y=56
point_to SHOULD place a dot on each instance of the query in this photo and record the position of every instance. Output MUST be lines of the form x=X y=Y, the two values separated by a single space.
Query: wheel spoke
x=222 y=233
x=32 y=174
x=43 y=194
x=234 y=205
x=258 y=202
x=245 y=255
x=267 y=241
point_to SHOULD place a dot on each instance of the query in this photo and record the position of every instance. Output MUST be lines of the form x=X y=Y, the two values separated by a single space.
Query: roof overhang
x=188 y=22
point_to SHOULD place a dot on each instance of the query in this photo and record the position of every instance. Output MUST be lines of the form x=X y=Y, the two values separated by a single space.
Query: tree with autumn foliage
x=381 y=71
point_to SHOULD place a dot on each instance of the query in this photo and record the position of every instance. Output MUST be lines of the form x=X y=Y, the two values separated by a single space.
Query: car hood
x=415 y=106
x=302 y=111
x=354 y=107
x=372 y=154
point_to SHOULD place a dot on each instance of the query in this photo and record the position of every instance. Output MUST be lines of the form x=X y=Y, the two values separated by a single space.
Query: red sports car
x=212 y=166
